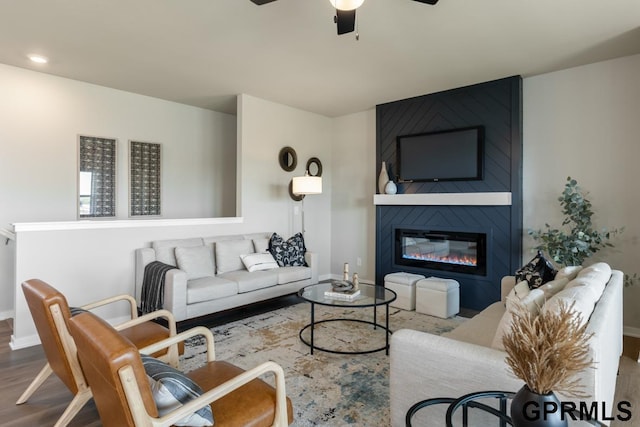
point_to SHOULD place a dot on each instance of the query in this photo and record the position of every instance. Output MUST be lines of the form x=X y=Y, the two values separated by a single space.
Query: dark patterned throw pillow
x=288 y=253
x=536 y=272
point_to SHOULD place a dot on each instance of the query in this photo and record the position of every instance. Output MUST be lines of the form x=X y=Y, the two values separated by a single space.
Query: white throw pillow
x=257 y=262
x=196 y=261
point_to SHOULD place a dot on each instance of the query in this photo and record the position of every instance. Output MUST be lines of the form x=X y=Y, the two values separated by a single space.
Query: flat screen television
x=451 y=155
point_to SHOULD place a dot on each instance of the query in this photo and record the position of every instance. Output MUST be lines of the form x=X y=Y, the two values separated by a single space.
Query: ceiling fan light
x=346 y=4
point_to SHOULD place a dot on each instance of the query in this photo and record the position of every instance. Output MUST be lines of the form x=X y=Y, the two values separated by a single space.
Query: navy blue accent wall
x=497 y=106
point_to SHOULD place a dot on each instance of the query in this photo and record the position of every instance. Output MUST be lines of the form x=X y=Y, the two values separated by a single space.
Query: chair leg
x=35 y=384
x=78 y=402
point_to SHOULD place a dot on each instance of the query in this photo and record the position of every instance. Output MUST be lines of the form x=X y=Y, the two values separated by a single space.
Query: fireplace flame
x=446 y=259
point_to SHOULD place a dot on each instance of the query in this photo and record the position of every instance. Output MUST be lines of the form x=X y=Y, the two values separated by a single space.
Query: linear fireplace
x=460 y=252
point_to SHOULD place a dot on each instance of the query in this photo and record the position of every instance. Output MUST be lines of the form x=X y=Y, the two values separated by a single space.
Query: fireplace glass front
x=460 y=252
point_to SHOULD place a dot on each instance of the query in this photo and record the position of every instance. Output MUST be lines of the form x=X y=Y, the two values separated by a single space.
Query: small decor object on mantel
x=546 y=351
x=391 y=188
x=383 y=178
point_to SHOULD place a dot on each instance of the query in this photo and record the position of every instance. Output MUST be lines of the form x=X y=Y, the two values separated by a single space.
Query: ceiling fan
x=345 y=17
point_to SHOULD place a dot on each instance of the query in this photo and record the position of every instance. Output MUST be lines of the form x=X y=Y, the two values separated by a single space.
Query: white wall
x=585 y=122
x=264 y=128
x=90 y=264
x=352 y=212
x=41 y=117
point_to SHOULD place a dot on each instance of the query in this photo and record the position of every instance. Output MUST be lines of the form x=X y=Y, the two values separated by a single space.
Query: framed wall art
x=96 y=177
x=145 y=192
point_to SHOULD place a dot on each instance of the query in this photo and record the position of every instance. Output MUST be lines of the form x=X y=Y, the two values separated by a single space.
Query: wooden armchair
x=124 y=397
x=51 y=315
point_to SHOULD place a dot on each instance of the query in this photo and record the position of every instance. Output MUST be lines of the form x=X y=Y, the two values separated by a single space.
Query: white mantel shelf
x=444 y=199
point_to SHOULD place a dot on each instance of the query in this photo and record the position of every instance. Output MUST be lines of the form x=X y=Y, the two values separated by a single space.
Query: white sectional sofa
x=466 y=359
x=213 y=277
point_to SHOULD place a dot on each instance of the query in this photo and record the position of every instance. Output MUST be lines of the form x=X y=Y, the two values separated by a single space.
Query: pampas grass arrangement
x=545 y=351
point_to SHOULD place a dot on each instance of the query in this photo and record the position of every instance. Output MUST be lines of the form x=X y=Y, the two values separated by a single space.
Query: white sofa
x=463 y=361
x=227 y=284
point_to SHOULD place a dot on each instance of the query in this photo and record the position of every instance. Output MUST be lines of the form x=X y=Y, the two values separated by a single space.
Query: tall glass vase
x=383 y=178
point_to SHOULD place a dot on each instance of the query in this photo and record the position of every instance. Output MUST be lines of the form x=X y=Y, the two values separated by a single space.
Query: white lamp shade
x=307 y=185
x=346 y=4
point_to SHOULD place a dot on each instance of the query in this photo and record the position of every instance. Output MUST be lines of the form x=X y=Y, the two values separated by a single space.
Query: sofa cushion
x=228 y=254
x=196 y=261
x=533 y=302
x=582 y=297
x=248 y=282
x=293 y=274
x=288 y=253
x=474 y=331
x=259 y=261
x=595 y=277
x=553 y=287
x=164 y=249
x=569 y=272
x=261 y=245
x=537 y=272
x=210 y=288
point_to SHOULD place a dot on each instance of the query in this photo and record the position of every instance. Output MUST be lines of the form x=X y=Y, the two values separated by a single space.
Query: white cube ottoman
x=438 y=297
x=404 y=285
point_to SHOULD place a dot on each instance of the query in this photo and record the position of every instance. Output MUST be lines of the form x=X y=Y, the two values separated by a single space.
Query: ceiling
x=204 y=52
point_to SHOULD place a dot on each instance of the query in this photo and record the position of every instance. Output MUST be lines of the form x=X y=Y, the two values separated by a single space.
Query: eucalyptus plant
x=577 y=239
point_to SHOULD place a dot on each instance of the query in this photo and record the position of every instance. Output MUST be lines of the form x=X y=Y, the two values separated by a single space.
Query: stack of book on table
x=342 y=290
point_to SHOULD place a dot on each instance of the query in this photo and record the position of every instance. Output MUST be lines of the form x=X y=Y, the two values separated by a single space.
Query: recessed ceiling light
x=39 y=59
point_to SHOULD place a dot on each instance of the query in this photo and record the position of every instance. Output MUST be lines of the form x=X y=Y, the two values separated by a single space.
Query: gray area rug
x=326 y=389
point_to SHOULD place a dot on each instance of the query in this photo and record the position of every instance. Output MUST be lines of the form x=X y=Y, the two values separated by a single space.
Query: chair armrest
x=172 y=355
x=198 y=330
x=132 y=303
x=166 y=314
x=311 y=259
x=231 y=385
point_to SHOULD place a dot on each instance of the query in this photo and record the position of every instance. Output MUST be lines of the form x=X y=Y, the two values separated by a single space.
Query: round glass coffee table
x=370 y=296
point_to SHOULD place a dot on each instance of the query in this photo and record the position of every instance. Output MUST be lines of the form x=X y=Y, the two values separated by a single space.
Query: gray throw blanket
x=152 y=297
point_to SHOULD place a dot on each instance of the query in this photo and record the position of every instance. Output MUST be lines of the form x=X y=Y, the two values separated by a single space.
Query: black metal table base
x=311 y=327
x=315 y=347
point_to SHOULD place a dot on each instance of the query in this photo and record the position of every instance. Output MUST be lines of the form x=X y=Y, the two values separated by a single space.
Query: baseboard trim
x=24 y=342
x=631 y=331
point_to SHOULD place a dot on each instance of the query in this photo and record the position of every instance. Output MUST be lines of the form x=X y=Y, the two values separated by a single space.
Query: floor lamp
x=304 y=185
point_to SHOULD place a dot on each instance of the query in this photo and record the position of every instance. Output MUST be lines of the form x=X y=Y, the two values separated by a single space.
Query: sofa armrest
x=426 y=366
x=175 y=293
x=507 y=283
x=312 y=261
x=143 y=257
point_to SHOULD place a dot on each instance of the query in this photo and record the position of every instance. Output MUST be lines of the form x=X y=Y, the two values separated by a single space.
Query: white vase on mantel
x=391 y=188
x=383 y=178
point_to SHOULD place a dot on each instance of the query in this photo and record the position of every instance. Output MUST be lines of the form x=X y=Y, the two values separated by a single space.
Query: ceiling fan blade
x=432 y=2
x=346 y=21
x=261 y=2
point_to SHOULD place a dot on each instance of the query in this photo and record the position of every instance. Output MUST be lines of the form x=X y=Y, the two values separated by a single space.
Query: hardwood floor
x=18 y=368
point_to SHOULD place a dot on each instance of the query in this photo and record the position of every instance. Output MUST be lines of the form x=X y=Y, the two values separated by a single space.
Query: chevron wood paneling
x=497 y=106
